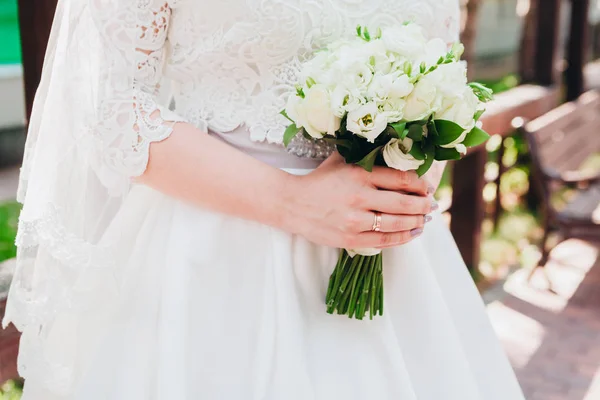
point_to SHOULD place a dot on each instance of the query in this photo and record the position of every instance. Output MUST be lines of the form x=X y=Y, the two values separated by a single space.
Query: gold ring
x=376 y=222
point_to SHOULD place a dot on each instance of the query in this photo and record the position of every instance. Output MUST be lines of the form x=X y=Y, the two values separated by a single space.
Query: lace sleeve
x=129 y=115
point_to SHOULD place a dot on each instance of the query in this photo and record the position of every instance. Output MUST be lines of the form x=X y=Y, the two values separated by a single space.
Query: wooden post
x=577 y=48
x=468 y=206
x=469 y=34
x=35 y=19
x=539 y=43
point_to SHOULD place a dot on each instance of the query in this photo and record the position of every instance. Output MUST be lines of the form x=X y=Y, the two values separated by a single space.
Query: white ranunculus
x=423 y=101
x=314 y=113
x=343 y=101
x=375 y=52
x=389 y=86
x=396 y=155
x=366 y=121
x=392 y=109
x=407 y=40
x=460 y=110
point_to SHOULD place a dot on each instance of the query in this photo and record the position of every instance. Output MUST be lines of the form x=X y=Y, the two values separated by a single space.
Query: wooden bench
x=560 y=141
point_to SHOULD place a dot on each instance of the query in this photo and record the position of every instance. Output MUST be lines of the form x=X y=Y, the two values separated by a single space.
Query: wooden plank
x=525 y=101
x=35 y=19
x=468 y=207
x=577 y=48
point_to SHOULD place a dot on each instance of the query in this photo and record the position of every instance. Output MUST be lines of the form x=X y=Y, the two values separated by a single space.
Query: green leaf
x=415 y=132
x=448 y=131
x=417 y=152
x=432 y=130
x=310 y=82
x=359 y=30
x=443 y=154
x=482 y=92
x=478 y=114
x=339 y=142
x=369 y=160
x=400 y=128
x=429 y=157
x=476 y=137
x=287 y=116
x=289 y=134
x=423 y=67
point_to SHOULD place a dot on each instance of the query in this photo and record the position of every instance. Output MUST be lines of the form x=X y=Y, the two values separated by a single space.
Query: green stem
x=341 y=271
x=357 y=287
x=344 y=299
x=366 y=288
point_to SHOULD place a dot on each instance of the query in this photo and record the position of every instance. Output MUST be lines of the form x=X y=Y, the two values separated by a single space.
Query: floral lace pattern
x=237 y=60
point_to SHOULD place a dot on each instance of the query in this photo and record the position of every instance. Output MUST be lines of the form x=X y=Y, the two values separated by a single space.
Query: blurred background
x=524 y=209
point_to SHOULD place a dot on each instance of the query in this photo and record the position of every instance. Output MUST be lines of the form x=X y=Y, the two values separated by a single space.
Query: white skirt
x=213 y=307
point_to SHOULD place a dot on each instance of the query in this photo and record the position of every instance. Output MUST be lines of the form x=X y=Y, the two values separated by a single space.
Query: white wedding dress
x=125 y=293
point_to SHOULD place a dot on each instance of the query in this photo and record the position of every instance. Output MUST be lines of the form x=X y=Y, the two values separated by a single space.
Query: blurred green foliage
x=10 y=46
x=11 y=390
x=503 y=84
x=9 y=214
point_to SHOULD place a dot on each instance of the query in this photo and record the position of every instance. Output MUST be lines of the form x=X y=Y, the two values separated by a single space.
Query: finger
x=382 y=240
x=396 y=223
x=399 y=203
x=391 y=179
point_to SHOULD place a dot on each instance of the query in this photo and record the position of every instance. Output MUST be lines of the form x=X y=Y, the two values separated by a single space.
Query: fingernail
x=434 y=205
x=416 y=232
x=430 y=190
x=428 y=218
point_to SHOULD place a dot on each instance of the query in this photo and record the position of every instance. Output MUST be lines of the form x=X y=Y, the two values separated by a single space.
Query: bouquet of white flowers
x=393 y=98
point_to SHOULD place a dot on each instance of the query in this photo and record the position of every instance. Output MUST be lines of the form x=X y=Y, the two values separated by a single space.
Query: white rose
x=366 y=121
x=314 y=113
x=390 y=86
x=406 y=40
x=432 y=51
x=423 y=101
x=460 y=110
x=450 y=79
x=319 y=67
x=396 y=155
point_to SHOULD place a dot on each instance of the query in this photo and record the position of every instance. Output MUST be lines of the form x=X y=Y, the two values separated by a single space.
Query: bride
x=171 y=248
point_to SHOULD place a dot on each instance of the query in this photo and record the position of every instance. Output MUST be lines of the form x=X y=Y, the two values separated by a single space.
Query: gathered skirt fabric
x=207 y=306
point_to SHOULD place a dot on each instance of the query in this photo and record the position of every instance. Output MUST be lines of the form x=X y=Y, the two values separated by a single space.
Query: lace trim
x=35 y=302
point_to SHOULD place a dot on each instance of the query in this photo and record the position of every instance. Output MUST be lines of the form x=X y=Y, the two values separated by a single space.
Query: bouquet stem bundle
x=356 y=286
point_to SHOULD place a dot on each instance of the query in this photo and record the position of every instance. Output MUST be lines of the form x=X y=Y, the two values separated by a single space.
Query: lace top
x=234 y=62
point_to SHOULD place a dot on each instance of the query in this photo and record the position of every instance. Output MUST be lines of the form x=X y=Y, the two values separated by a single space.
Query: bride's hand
x=334 y=205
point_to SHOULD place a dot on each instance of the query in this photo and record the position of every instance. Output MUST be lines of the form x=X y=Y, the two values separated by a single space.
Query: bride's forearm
x=199 y=169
